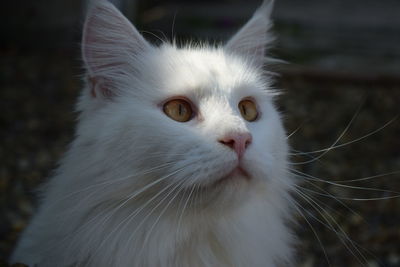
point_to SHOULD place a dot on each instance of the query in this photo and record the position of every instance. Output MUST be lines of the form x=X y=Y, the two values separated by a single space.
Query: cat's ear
x=110 y=43
x=253 y=38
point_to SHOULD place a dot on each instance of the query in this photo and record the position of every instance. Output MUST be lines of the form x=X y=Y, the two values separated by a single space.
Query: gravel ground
x=38 y=90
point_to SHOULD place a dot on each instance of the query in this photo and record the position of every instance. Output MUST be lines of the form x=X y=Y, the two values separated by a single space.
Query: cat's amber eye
x=248 y=109
x=178 y=109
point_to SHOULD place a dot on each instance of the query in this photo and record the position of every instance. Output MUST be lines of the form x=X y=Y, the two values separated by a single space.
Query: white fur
x=127 y=191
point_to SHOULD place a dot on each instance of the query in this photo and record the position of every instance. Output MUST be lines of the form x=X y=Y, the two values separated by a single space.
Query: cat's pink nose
x=238 y=142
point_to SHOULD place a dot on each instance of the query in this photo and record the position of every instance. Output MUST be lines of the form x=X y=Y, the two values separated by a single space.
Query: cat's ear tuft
x=253 y=38
x=110 y=44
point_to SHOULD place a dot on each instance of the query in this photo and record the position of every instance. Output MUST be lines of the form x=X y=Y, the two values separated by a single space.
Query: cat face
x=186 y=121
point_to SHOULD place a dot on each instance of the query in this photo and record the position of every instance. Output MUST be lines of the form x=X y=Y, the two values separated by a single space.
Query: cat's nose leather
x=237 y=141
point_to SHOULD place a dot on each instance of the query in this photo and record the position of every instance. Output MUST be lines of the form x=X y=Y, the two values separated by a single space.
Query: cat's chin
x=227 y=188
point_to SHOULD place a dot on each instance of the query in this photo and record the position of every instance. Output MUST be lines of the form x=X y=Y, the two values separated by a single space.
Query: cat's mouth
x=237 y=173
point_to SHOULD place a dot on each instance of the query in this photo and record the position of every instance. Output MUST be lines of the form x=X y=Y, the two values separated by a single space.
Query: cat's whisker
x=298 y=188
x=360 y=179
x=325 y=225
x=327 y=194
x=89 y=224
x=343 y=237
x=163 y=153
x=320 y=210
x=335 y=142
x=129 y=198
x=179 y=209
x=183 y=211
x=177 y=185
x=146 y=187
x=334 y=146
x=339 y=199
x=179 y=190
x=198 y=194
x=173 y=27
x=336 y=182
x=368 y=177
x=129 y=218
x=313 y=178
x=330 y=226
x=108 y=182
x=298 y=207
x=296 y=130
x=310 y=214
x=164 y=38
x=349 y=198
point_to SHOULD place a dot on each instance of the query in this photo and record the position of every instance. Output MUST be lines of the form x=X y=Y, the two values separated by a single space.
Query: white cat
x=179 y=159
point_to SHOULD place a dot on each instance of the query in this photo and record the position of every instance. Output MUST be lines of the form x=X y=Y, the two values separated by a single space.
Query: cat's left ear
x=253 y=38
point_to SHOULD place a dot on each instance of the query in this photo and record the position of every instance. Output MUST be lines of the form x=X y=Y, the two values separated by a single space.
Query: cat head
x=195 y=120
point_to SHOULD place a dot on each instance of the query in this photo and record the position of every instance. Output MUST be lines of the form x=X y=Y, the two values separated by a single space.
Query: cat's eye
x=248 y=109
x=178 y=110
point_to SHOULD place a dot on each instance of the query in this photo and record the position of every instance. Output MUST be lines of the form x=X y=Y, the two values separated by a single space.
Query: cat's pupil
x=180 y=109
x=244 y=110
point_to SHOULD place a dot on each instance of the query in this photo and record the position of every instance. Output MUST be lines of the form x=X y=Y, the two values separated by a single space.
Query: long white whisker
x=342 y=234
x=177 y=185
x=345 y=144
x=109 y=182
x=310 y=177
x=297 y=207
x=296 y=130
x=349 y=198
x=368 y=177
x=179 y=189
x=183 y=210
x=137 y=211
x=331 y=196
x=334 y=143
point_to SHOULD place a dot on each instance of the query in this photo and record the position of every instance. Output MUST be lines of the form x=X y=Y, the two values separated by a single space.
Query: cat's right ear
x=110 y=45
x=254 y=37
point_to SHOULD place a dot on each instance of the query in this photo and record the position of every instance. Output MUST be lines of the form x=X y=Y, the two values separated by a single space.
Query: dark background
x=344 y=57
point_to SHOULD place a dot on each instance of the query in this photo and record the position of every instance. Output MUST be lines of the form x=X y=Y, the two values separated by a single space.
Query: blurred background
x=342 y=80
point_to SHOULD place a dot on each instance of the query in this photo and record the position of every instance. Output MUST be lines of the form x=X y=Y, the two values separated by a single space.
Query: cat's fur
x=137 y=188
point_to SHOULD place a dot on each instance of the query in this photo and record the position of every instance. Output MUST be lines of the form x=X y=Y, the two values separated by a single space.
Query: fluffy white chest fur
x=179 y=159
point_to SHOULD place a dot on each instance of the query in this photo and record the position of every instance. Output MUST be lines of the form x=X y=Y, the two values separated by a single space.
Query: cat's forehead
x=205 y=72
